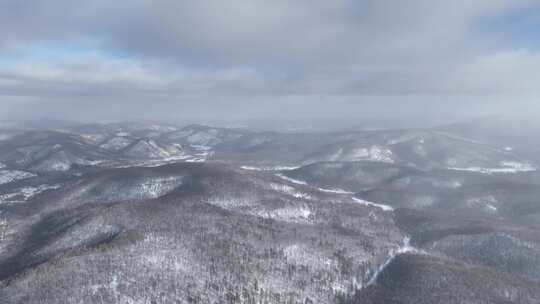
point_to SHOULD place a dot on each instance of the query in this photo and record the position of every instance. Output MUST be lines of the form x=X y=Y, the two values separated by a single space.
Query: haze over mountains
x=257 y=152
x=162 y=213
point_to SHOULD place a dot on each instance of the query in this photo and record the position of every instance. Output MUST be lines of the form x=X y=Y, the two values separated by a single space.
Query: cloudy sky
x=168 y=59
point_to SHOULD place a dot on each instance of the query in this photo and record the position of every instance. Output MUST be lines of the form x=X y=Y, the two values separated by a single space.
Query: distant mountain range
x=159 y=213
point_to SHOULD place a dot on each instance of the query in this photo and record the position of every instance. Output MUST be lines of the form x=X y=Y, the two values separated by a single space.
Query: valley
x=149 y=213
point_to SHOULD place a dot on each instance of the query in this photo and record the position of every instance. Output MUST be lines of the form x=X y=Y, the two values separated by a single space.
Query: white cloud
x=243 y=52
x=511 y=72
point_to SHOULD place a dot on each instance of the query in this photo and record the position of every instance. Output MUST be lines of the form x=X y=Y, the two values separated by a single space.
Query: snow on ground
x=520 y=242
x=198 y=158
x=195 y=160
x=249 y=205
x=506 y=167
x=8 y=176
x=154 y=162
x=420 y=149
x=304 y=255
x=203 y=153
x=377 y=153
x=366 y=203
x=116 y=143
x=339 y=191
x=230 y=202
x=360 y=154
x=460 y=138
x=78 y=236
x=292 y=180
x=91 y=162
x=5 y=233
x=139 y=189
x=403 y=138
x=452 y=184
x=289 y=191
x=270 y=168
x=148 y=148
x=160 y=128
x=519 y=167
x=25 y=193
x=300 y=182
x=201 y=147
x=334 y=190
x=29 y=192
x=336 y=155
x=159 y=186
x=290 y=214
x=60 y=161
x=404 y=248
x=373 y=153
x=491 y=207
x=93 y=138
x=204 y=138
x=489 y=202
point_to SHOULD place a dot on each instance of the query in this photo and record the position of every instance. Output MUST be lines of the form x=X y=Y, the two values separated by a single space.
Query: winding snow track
x=404 y=248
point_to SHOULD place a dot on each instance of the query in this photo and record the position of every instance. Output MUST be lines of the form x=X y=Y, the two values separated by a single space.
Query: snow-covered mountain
x=150 y=213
